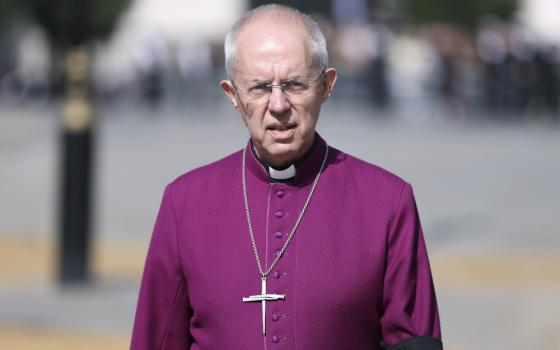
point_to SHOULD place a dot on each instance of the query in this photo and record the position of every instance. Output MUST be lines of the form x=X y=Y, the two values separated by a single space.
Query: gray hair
x=318 y=44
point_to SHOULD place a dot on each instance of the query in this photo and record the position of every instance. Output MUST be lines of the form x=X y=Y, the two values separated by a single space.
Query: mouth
x=281 y=127
x=281 y=131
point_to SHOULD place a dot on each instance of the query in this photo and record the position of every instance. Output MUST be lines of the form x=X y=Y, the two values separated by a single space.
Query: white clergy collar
x=284 y=174
x=288 y=174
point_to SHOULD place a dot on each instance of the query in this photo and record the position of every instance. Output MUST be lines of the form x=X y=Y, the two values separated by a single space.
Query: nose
x=278 y=103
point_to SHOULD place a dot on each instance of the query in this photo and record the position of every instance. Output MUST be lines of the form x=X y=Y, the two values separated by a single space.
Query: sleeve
x=410 y=319
x=163 y=312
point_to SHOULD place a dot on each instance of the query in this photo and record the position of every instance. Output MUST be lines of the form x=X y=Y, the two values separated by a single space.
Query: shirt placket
x=283 y=213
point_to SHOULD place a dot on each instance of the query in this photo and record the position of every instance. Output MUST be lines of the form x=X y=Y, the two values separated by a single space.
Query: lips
x=281 y=127
x=282 y=131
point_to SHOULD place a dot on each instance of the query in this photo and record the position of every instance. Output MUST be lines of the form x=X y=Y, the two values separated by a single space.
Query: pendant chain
x=264 y=274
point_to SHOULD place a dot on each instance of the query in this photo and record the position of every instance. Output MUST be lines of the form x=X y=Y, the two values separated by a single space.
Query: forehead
x=270 y=48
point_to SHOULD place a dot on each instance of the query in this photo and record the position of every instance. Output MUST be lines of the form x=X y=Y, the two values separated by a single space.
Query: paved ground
x=487 y=193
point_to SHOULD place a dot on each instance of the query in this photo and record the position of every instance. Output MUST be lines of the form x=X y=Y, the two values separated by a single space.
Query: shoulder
x=213 y=175
x=371 y=185
x=364 y=172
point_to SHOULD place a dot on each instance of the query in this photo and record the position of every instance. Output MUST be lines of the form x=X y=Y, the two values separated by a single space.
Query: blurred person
x=522 y=69
x=33 y=63
x=362 y=50
x=288 y=243
x=492 y=50
x=378 y=80
x=548 y=65
x=149 y=58
x=446 y=42
x=25 y=66
x=194 y=60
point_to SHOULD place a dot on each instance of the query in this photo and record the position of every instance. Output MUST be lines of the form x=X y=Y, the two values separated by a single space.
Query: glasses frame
x=282 y=86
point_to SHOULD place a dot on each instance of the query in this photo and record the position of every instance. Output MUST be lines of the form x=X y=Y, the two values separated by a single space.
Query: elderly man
x=288 y=243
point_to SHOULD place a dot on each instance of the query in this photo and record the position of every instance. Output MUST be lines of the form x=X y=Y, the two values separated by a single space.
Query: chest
x=335 y=260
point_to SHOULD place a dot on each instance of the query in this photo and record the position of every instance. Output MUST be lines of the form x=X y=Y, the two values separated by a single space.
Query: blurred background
x=104 y=102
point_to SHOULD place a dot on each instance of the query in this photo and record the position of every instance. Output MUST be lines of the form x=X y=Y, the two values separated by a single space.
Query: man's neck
x=279 y=171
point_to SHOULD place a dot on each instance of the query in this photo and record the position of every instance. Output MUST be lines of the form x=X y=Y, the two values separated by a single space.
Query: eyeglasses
x=292 y=88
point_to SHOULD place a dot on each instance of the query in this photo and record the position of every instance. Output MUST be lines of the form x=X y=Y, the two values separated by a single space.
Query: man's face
x=281 y=124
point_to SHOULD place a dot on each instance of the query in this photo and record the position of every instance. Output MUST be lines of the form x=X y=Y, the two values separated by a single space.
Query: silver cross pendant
x=263 y=298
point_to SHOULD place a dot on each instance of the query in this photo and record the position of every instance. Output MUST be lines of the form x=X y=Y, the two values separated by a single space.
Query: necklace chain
x=264 y=274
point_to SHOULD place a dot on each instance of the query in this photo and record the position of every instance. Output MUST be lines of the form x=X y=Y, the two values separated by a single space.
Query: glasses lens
x=295 y=87
x=292 y=88
x=259 y=90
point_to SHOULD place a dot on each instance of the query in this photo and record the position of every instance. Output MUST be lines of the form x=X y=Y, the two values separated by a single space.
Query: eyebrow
x=292 y=78
x=260 y=81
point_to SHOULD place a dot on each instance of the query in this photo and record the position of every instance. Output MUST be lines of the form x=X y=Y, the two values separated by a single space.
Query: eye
x=294 y=86
x=259 y=89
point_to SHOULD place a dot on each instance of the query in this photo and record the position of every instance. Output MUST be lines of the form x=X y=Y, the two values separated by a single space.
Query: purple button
x=275 y=339
x=278 y=214
x=276 y=253
x=275 y=317
x=280 y=194
x=276 y=274
x=278 y=234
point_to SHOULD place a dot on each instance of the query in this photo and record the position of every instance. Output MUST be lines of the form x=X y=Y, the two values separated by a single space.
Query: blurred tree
x=74 y=22
x=464 y=13
x=94 y=19
x=7 y=11
x=320 y=7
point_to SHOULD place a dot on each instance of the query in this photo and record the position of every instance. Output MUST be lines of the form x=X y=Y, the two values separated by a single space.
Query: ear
x=230 y=92
x=328 y=84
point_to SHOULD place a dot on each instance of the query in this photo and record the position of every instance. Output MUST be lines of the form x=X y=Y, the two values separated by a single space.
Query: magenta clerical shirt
x=355 y=274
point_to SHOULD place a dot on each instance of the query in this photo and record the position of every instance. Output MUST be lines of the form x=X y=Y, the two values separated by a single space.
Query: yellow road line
x=521 y=269
x=15 y=338
x=30 y=261
x=24 y=261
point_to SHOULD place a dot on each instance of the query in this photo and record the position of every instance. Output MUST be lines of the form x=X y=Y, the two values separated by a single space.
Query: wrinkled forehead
x=273 y=46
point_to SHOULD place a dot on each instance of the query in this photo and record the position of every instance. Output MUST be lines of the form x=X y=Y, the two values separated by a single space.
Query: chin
x=281 y=153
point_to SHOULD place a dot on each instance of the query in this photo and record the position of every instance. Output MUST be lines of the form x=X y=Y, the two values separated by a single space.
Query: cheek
x=254 y=116
x=309 y=115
